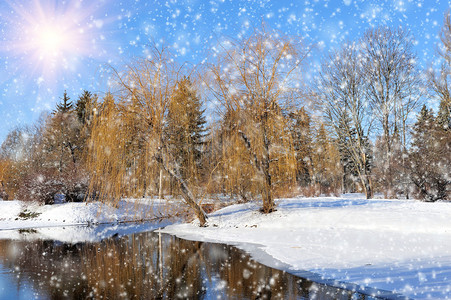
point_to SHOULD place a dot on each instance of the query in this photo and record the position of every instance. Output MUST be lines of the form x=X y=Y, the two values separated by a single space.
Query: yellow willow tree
x=126 y=144
x=103 y=158
x=237 y=173
x=254 y=80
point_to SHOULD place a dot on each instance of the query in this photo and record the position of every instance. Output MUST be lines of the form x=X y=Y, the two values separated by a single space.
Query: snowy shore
x=72 y=222
x=394 y=245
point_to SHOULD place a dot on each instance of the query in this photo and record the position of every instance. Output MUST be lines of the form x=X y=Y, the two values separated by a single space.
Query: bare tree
x=392 y=87
x=16 y=158
x=445 y=37
x=439 y=85
x=342 y=91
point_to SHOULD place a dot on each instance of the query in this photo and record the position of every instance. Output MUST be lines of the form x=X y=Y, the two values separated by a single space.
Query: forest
x=372 y=122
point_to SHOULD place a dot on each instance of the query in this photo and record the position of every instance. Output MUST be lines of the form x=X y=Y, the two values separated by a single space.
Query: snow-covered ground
x=71 y=222
x=394 y=245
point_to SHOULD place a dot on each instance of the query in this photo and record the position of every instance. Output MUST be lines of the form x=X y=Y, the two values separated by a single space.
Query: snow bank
x=396 y=245
x=58 y=222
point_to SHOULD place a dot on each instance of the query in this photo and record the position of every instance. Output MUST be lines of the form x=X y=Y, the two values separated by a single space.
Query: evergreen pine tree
x=60 y=131
x=430 y=158
x=185 y=130
x=65 y=106
x=82 y=105
x=444 y=115
x=302 y=143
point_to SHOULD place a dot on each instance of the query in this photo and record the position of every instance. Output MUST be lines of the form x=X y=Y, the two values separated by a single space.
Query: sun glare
x=52 y=35
x=51 y=41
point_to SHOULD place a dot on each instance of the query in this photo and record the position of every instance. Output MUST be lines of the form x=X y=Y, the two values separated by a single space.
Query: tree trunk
x=263 y=169
x=160 y=187
x=388 y=161
x=344 y=189
x=268 y=201
x=367 y=186
x=186 y=193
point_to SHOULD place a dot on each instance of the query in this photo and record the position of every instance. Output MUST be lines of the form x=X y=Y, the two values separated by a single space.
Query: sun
x=54 y=38
x=51 y=41
x=51 y=36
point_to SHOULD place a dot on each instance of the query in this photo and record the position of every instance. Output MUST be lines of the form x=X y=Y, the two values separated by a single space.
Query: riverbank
x=74 y=222
x=396 y=245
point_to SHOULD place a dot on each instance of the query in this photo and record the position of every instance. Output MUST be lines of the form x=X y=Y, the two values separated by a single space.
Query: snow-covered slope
x=396 y=245
x=80 y=213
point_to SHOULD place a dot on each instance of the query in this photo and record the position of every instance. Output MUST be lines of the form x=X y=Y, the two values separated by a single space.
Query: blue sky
x=50 y=46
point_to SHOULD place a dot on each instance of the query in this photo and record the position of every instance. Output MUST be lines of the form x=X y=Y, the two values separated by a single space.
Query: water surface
x=145 y=265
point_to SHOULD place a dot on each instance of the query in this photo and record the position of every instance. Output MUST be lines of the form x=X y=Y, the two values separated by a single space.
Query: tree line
x=270 y=135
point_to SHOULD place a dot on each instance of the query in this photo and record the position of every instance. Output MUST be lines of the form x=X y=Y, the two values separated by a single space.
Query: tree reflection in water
x=129 y=267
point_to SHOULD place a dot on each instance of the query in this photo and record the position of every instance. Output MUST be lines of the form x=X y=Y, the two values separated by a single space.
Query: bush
x=75 y=186
x=76 y=193
x=40 y=187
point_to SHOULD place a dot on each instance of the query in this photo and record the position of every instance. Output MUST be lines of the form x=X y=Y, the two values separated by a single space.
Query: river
x=144 y=265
